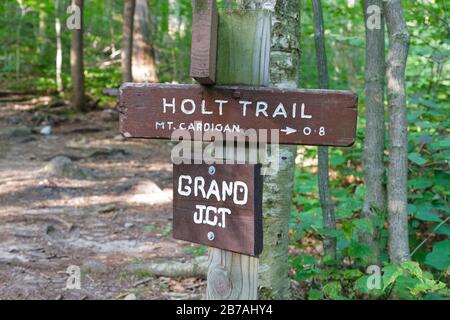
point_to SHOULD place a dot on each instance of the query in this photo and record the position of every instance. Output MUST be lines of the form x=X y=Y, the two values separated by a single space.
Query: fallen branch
x=172 y=269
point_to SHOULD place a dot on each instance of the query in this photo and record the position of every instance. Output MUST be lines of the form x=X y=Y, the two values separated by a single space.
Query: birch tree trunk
x=375 y=200
x=76 y=61
x=127 y=41
x=58 y=60
x=284 y=73
x=398 y=136
x=143 y=66
x=329 y=219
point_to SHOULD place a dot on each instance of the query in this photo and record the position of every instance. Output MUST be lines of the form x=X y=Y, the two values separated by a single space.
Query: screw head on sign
x=210 y=236
x=211 y=170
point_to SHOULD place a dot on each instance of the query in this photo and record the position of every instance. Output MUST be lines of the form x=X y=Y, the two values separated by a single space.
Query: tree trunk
x=329 y=219
x=110 y=6
x=58 y=60
x=277 y=194
x=127 y=46
x=76 y=62
x=18 y=39
x=41 y=44
x=375 y=200
x=143 y=66
x=398 y=136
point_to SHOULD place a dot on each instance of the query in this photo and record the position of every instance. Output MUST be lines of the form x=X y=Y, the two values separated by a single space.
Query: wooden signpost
x=204 y=41
x=219 y=206
x=307 y=117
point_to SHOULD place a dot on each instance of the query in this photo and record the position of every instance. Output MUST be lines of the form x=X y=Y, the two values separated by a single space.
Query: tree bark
x=41 y=44
x=127 y=41
x=329 y=219
x=398 y=136
x=110 y=8
x=143 y=66
x=273 y=279
x=58 y=60
x=375 y=200
x=76 y=62
x=18 y=39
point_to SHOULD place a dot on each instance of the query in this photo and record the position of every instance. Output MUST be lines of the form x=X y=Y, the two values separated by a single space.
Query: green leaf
x=426 y=286
x=352 y=274
x=443 y=229
x=439 y=257
x=434 y=296
x=333 y=290
x=403 y=285
x=417 y=159
x=314 y=294
x=347 y=229
x=420 y=183
x=390 y=274
x=363 y=225
x=361 y=285
x=337 y=160
x=358 y=250
x=308 y=273
x=444 y=143
x=413 y=268
x=426 y=215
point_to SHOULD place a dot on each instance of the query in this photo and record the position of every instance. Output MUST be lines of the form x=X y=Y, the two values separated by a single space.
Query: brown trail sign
x=307 y=117
x=219 y=206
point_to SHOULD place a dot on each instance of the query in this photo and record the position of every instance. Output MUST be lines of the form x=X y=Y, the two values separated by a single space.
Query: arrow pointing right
x=288 y=130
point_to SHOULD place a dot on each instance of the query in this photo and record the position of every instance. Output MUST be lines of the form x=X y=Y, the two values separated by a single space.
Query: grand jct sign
x=219 y=206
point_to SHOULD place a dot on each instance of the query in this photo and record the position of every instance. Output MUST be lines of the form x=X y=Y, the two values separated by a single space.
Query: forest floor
x=83 y=196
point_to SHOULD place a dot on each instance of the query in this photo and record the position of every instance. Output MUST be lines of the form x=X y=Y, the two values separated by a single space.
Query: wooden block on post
x=204 y=41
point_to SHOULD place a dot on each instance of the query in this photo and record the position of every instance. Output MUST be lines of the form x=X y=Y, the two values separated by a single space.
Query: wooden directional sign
x=309 y=117
x=219 y=206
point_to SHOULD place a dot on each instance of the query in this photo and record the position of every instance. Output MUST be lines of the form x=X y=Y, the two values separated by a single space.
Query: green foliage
x=439 y=257
x=27 y=62
x=428 y=147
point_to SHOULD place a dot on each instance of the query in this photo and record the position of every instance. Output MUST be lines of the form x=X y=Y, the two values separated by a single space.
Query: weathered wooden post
x=203 y=212
x=205 y=19
x=243 y=58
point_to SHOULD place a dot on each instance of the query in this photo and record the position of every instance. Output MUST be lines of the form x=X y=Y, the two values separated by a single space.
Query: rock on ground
x=62 y=166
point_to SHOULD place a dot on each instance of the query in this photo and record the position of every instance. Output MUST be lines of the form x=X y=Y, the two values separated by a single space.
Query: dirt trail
x=111 y=208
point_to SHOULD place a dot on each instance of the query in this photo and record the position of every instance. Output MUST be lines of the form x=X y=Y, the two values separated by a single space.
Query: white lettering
x=261 y=107
x=183 y=106
x=305 y=116
x=186 y=190
x=221 y=103
x=168 y=105
x=244 y=106
x=204 y=111
x=280 y=111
